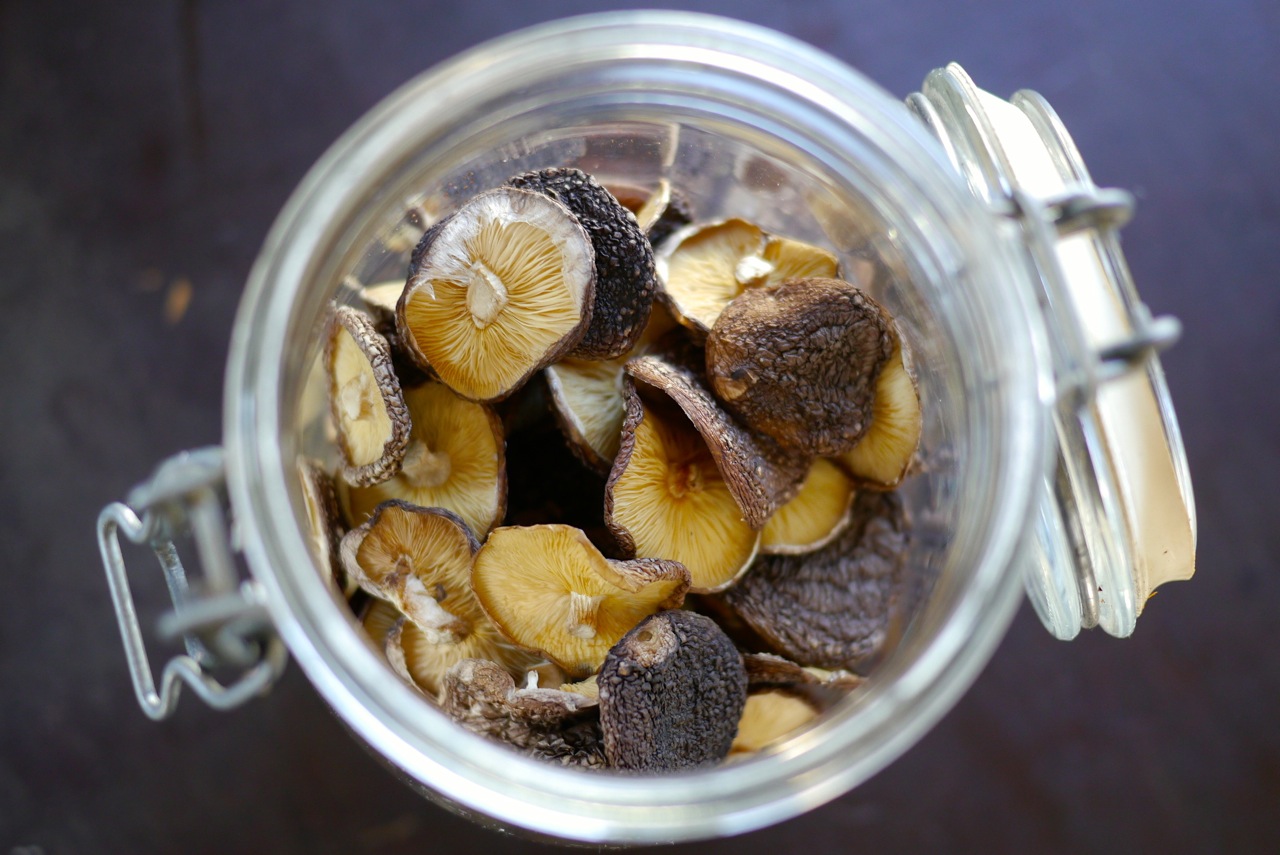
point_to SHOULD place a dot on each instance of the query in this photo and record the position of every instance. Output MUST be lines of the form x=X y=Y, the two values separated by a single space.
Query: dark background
x=144 y=151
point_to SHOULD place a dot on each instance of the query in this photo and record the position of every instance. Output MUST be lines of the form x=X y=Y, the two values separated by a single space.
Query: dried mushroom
x=818 y=687
x=702 y=267
x=382 y=297
x=548 y=724
x=830 y=608
x=548 y=589
x=761 y=475
x=770 y=671
x=588 y=404
x=798 y=361
x=455 y=460
x=671 y=693
x=587 y=397
x=881 y=457
x=659 y=213
x=588 y=687
x=418 y=561
x=364 y=398
x=666 y=497
x=320 y=501
x=625 y=282
x=767 y=717
x=380 y=300
x=385 y=625
x=816 y=514
x=498 y=290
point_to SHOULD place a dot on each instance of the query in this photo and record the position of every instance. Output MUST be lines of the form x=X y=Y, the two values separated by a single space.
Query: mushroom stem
x=583 y=615
x=356 y=397
x=439 y=625
x=486 y=295
x=684 y=478
x=423 y=467
x=752 y=270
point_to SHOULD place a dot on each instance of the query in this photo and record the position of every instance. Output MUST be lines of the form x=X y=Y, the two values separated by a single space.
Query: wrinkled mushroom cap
x=500 y=289
x=798 y=361
x=455 y=459
x=365 y=398
x=830 y=608
x=548 y=589
x=671 y=693
x=544 y=723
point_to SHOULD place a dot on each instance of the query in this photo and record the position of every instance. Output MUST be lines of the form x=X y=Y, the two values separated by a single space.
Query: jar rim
x=470 y=772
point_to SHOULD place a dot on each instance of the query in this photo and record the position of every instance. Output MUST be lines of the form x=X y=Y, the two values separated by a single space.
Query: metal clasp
x=1103 y=210
x=221 y=620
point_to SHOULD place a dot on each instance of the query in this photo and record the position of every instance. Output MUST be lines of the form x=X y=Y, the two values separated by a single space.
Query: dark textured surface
x=830 y=608
x=145 y=145
x=671 y=693
x=625 y=281
x=799 y=361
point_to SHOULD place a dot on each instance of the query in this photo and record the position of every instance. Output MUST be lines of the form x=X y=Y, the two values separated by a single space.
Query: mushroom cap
x=418 y=559
x=587 y=401
x=704 y=266
x=365 y=398
x=547 y=588
x=830 y=608
x=625 y=280
x=587 y=397
x=320 y=501
x=760 y=474
x=815 y=515
x=455 y=459
x=768 y=717
x=545 y=723
x=883 y=455
x=498 y=290
x=671 y=693
x=798 y=361
x=820 y=688
x=423 y=655
x=666 y=497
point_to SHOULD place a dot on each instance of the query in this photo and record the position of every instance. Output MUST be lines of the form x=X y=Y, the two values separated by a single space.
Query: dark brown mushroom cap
x=821 y=689
x=830 y=608
x=548 y=724
x=625 y=280
x=799 y=360
x=365 y=398
x=761 y=474
x=671 y=693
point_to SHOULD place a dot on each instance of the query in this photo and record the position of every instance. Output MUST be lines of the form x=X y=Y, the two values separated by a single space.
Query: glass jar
x=747 y=123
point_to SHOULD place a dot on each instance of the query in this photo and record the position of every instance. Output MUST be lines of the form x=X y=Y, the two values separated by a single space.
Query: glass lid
x=1117 y=515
